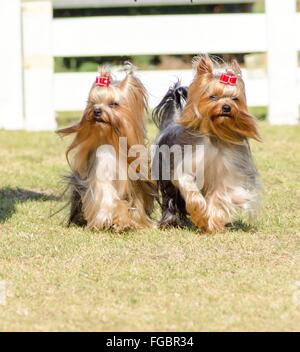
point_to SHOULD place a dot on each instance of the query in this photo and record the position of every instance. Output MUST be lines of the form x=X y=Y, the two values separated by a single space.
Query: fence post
x=282 y=61
x=38 y=65
x=11 y=87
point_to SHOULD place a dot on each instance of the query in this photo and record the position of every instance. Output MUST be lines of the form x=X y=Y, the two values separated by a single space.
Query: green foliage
x=260 y=112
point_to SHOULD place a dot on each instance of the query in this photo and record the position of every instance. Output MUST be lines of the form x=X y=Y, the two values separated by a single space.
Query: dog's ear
x=69 y=130
x=202 y=64
x=104 y=70
x=134 y=90
x=235 y=66
x=86 y=116
x=134 y=105
x=130 y=79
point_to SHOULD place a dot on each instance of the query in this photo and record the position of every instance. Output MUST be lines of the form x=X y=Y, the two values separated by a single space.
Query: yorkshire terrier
x=100 y=197
x=211 y=113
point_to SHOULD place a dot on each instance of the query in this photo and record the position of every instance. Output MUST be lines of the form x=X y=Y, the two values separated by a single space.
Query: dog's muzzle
x=226 y=109
x=97 y=114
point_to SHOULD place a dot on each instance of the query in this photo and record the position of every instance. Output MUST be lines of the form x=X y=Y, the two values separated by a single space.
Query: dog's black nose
x=226 y=108
x=97 y=112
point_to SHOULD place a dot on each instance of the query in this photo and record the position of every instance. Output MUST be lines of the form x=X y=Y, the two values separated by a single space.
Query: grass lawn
x=60 y=278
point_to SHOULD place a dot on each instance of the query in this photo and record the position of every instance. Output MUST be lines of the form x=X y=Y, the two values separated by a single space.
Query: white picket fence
x=30 y=92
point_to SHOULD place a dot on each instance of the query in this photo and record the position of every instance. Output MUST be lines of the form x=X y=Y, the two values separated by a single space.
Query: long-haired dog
x=222 y=180
x=100 y=197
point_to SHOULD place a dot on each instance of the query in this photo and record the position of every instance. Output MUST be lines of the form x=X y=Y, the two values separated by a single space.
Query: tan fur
x=111 y=203
x=229 y=183
x=204 y=115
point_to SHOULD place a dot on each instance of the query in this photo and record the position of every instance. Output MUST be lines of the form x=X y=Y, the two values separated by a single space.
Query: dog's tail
x=170 y=106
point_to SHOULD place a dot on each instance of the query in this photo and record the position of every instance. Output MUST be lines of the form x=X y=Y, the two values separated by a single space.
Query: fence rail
x=31 y=92
x=175 y=34
x=71 y=89
x=64 y=4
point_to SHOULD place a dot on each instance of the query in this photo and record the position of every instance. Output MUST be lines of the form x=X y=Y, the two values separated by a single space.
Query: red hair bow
x=102 y=81
x=228 y=78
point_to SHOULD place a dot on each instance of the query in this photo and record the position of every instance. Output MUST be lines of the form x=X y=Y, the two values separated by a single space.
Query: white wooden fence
x=30 y=92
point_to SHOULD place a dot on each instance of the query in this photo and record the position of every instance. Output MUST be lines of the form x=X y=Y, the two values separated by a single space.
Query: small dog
x=211 y=113
x=101 y=199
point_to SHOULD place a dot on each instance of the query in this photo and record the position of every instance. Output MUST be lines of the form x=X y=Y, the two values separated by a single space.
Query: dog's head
x=114 y=109
x=217 y=102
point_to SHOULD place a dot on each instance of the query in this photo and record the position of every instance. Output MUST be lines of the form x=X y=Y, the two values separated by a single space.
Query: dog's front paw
x=103 y=220
x=122 y=220
x=171 y=220
x=214 y=225
x=122 y=227
x=199 y=221
x=196 y=207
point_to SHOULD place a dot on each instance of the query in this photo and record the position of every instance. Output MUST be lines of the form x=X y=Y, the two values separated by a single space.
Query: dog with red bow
x=212 y=116
x=102 y=198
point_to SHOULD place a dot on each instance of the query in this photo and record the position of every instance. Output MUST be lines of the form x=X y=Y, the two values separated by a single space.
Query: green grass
x=61 y=278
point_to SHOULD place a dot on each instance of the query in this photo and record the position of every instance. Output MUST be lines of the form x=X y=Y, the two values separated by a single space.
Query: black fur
x=170 y=106
x=164 y=115
x=76 y=188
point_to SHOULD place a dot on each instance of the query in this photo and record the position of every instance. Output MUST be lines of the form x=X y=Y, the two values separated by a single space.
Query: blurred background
x=52 y=50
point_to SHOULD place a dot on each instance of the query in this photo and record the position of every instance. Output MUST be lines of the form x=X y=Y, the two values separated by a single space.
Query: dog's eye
x=213 y=97
x=113 y=105
x=235 y=98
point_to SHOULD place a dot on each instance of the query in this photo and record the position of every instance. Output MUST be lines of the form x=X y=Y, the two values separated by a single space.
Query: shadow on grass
x=240 y=226
x=9 y=197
